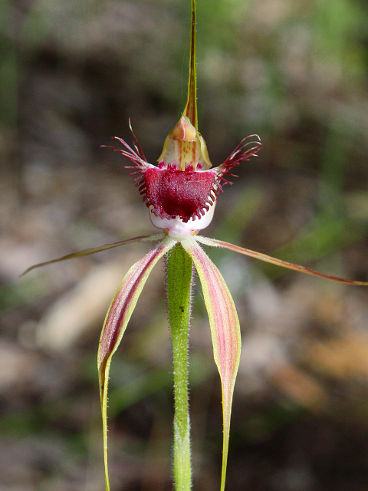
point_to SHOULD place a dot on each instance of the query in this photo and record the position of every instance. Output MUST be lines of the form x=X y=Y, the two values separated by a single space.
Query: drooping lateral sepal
x=225 y=333
x=116 y=321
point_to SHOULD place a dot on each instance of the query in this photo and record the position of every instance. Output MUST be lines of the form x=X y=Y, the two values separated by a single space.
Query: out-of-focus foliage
x=71 y=74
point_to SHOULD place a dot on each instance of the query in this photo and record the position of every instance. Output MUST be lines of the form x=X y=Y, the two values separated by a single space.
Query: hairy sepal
x=225 y=333
x=273 y=260
x=116 y=321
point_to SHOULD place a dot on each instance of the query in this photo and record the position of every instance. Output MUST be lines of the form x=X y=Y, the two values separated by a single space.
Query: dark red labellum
x=174 y=192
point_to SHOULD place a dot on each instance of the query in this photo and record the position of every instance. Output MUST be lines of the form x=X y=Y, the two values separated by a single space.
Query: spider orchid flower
x=181 y=193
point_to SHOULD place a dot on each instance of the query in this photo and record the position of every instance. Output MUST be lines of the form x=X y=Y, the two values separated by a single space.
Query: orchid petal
x=93 y=250
x=272 y=260
x=225 y=333
x=116 y=320
x=247 y=148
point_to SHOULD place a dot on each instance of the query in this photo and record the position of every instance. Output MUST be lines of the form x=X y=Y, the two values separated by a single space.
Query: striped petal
x=93 y=250
x=225 y=332
x=117 y=318
x=277 y=262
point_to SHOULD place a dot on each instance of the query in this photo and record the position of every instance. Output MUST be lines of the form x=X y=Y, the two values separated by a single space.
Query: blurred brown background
x=71 y=74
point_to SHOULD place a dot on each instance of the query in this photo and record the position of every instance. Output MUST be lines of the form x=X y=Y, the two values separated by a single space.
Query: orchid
x=181 y=193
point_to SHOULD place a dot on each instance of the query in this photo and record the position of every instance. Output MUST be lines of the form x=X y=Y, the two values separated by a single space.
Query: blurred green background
x=71 y=74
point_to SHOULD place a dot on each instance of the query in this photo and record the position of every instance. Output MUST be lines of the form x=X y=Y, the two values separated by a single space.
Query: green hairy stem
x=179 y=283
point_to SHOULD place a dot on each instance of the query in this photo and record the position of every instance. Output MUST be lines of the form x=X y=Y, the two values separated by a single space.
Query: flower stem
x=179 y=283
